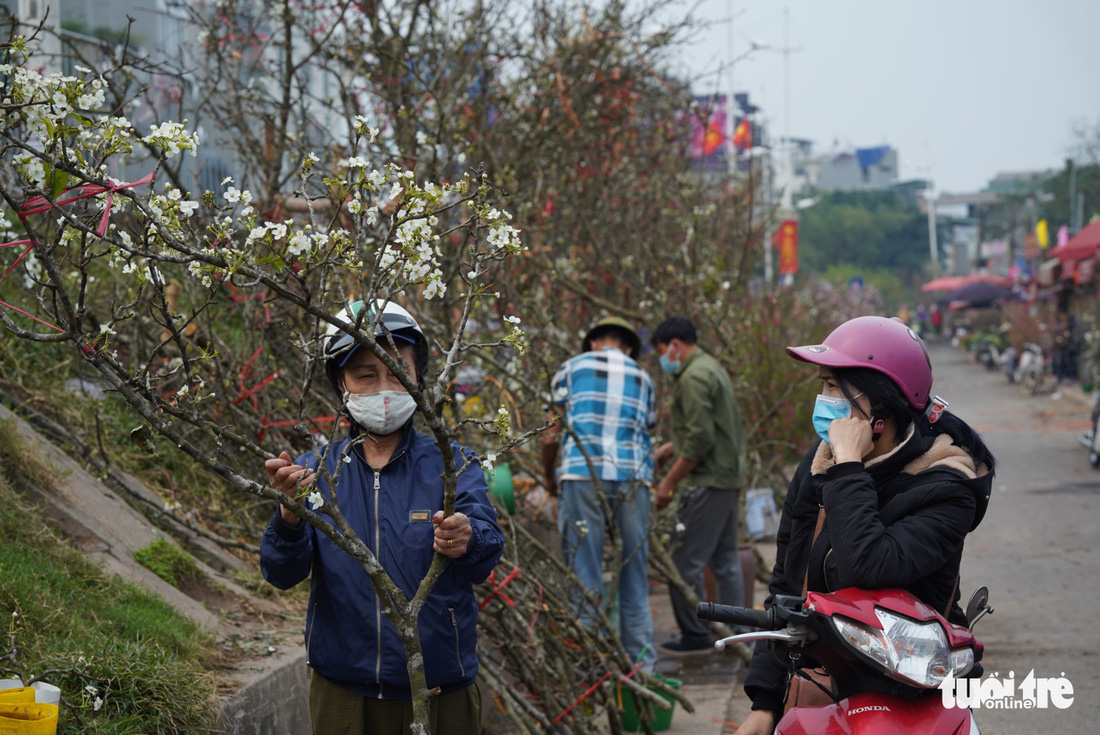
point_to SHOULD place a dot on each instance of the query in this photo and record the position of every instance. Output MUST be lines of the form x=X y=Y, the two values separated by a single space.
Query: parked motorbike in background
x=1091 y=438
x=992 y=355
x=886 y=652
x=1030 y=367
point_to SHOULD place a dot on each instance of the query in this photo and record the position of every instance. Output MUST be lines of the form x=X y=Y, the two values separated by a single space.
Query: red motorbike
x=886 y=652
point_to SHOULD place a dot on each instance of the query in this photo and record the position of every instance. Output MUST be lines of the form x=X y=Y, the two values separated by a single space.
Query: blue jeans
x=582 y=525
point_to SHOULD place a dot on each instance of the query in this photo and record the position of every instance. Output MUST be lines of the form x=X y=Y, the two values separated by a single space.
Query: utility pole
x=781 y=158
x=933 y=245
x=788 y=158
x=767 y=182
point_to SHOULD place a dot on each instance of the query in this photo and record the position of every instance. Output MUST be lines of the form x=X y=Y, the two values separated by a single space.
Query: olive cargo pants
x=334 y=710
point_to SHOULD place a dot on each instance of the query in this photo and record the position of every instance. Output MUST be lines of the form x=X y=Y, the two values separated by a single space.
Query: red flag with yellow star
x=742 y=136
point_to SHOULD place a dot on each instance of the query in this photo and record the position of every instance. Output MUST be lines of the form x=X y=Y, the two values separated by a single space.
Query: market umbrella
x=1081 y=246
x=951 y=283
x=978 y=294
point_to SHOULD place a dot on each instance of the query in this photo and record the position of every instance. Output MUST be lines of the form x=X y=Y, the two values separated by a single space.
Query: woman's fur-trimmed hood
x=941 y=455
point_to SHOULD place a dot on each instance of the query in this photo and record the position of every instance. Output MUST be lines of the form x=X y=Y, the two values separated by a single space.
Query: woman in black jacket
x=901 y=482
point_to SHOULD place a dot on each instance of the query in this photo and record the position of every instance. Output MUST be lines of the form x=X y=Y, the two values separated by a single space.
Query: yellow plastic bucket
x=28 y=719
x=19 y=695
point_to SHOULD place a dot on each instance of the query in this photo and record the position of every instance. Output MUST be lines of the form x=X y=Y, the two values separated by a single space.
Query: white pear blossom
x=435 y=286
x=298 y=244
x=362 y=125
x=172 y=137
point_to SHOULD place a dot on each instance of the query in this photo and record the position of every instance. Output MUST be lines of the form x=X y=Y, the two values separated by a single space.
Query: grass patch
x=147 y=663
x=168 y=561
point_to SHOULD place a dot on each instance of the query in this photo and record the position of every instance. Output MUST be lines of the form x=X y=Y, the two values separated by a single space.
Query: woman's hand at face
x=851 y=439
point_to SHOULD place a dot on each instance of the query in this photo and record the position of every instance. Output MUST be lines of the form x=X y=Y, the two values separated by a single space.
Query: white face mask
x=380 y=413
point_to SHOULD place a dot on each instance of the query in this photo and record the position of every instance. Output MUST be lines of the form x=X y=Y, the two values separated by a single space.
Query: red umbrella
x=950 y=283
x=1081 y=246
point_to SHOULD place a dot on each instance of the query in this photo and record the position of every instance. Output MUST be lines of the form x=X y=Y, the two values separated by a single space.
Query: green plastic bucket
x=502 y=486
x=662 y=718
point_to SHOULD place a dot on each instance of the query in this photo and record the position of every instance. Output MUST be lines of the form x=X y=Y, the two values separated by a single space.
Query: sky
x=963 y=89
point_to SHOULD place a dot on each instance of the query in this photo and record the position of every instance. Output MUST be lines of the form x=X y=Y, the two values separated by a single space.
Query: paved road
x=1037 y=547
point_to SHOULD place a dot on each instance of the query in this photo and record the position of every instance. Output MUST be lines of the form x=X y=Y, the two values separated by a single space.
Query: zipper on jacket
x=310 y=620
x=378 y=601
x=458 y=648
x=378 y=555
x=309 y=623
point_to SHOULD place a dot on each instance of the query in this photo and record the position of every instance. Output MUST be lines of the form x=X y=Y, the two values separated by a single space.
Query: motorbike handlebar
x=731 y=615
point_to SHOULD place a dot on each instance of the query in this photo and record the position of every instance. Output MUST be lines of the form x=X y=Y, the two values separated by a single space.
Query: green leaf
x=60 y=182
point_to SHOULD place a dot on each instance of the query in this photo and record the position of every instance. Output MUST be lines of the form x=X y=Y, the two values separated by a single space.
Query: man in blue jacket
x=387 y=478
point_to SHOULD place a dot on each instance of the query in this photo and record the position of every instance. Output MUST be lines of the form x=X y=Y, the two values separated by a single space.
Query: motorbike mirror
x=978 y=604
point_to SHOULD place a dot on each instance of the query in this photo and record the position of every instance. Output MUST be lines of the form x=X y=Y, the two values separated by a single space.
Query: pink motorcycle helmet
x=885 y=345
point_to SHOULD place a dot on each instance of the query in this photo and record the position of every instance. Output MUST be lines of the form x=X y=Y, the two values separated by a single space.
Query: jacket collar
x=893 y=462
x=688 y=360
x=915 y=454
x=944 y=453
x=402 y=447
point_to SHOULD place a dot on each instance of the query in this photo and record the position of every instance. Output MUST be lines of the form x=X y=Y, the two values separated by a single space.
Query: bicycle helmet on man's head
x=399 y=323
x=885 y=345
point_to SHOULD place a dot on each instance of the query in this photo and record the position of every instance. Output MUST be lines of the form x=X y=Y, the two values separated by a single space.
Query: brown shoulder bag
x=800 y=691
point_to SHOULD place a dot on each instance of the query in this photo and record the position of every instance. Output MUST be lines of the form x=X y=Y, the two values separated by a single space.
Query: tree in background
x=875 y=230
x=1080 y=178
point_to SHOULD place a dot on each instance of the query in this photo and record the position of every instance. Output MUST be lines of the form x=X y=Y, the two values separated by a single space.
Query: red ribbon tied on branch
x=496 y=591
x=37 y=205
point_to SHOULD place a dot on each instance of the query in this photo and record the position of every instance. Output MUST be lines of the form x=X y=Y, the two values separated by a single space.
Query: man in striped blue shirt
x=606 y=407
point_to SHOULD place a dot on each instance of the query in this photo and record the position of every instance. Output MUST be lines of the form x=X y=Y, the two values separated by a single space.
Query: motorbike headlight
x=909 y=651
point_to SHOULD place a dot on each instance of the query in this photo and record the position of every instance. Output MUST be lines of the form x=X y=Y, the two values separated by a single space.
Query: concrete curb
x=275 y=701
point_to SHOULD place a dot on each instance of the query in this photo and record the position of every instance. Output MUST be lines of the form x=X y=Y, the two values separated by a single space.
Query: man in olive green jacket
x=708 y=467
